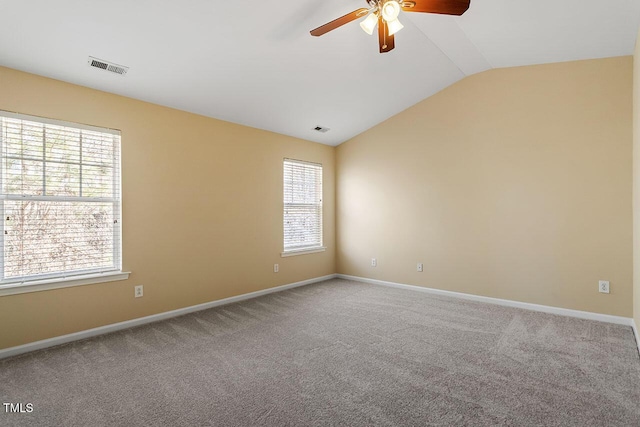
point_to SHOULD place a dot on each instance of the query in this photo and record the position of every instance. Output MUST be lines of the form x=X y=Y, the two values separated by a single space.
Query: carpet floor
x=337 y=353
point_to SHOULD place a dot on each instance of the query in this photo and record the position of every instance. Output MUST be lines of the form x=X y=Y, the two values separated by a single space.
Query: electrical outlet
x=374 y=262
x=420 y=267
x=603 y=286
x=137 y=291
x=276 y=268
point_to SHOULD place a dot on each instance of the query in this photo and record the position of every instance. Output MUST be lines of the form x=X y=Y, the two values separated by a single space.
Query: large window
x=302 y=206
x=60 y=199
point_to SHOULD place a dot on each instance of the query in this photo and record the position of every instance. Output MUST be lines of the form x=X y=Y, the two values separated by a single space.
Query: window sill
x=303 y=251
x=62 y=282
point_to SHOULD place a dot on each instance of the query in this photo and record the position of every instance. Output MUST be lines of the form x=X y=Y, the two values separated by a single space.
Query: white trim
x=637 y=335
x=46 y=120
x=303 y=162
x=39 y=345
x=62 y=282
x=70 y=276
x=291 y=167
x=303 y=251
x=627 y=321
x=21 y=197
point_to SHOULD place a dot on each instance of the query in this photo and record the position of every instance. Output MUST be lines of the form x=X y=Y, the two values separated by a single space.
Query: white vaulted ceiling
x=254 y=63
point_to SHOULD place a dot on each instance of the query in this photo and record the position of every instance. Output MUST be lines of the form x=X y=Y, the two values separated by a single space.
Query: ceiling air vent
x=107 y=66
x=321 y=129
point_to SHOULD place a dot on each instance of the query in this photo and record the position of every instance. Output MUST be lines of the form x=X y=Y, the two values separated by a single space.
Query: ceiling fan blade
x=323 y=29
x=386 y=41
x=445 y=7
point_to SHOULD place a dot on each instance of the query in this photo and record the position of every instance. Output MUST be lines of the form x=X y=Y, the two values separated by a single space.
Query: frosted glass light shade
x=394 y=26
x=369 y=23
x=390 y=10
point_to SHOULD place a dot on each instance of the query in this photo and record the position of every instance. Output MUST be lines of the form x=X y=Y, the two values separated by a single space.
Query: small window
x=302 y=206
x=59 y=199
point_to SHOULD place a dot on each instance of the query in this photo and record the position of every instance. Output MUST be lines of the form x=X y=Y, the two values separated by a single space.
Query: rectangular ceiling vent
x=321 y=129
x=107 y=66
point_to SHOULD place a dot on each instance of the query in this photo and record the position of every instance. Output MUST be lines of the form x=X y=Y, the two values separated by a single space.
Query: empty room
x=335 y=213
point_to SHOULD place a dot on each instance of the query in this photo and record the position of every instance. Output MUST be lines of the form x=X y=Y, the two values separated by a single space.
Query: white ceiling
x=254 y=63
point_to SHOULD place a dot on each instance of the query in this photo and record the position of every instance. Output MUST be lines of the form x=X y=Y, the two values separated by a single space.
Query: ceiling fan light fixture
x=386 y=12
x=369 y=23
x=390 y=10
x=394 y=26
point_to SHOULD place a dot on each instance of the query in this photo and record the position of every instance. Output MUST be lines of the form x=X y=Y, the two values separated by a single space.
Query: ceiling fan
x=385 y=14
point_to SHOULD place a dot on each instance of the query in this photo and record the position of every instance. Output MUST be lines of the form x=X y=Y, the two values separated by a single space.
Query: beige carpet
x=337 y=353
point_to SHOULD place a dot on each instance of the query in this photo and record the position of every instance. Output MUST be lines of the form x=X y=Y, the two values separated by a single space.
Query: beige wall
x=514 y=183
x=202 y=210
x=636 y=184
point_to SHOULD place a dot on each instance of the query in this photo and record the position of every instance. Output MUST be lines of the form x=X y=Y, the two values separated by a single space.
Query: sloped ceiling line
x=473 y=44
x=437 y=45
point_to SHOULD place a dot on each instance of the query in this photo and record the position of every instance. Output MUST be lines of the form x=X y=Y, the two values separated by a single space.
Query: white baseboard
x=76 y=336
x=627 y=321
x=635 y=332
x=63 y=339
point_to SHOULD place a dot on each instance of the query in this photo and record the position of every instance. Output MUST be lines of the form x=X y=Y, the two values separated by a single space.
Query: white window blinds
x=59 y=197
x=302 y=205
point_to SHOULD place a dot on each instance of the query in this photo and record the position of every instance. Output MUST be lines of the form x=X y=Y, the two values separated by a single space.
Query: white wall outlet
x=420 y=267
x=137 y=291
x=276 y=268
x=374 y=262
x=603 y=286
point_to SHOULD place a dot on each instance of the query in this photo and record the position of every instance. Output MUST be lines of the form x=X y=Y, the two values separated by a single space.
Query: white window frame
x=47 y=281
x=287 y=252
